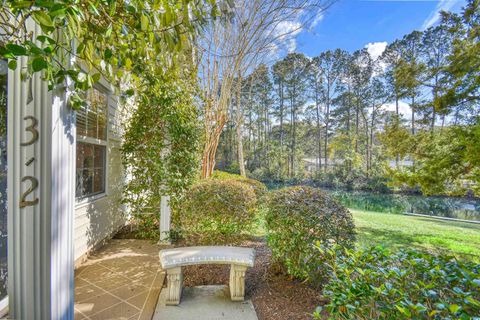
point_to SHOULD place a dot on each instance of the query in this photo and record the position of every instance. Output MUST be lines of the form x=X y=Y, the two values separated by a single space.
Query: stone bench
x=172 y=260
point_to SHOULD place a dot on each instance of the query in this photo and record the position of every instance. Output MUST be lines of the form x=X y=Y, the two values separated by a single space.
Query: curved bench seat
x=179 y=257
x=172 y=260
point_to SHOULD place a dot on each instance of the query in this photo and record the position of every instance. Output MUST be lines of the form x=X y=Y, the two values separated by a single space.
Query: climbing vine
x=161 y=146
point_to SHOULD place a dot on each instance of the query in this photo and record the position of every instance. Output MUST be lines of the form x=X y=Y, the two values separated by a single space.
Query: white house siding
x=97 y=219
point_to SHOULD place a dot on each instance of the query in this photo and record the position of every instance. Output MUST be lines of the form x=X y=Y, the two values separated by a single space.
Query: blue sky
x=355 y=24
x=352 y=24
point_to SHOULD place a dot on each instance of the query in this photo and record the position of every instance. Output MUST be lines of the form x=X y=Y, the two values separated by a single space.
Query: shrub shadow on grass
x=396 y=240
x=388 y=238
x=447 y=223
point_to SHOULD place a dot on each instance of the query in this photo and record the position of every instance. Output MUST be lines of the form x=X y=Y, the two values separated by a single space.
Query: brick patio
x=121 y=281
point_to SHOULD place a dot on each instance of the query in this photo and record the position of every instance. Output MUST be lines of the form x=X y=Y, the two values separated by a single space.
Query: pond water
x=459 y=208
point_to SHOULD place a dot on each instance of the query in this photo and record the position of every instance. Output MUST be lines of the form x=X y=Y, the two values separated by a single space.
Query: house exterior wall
x=99 y=217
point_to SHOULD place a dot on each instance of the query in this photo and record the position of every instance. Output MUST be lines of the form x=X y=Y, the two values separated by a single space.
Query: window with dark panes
x=92 y=145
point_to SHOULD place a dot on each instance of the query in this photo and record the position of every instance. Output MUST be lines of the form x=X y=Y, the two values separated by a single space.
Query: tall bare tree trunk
x=349 y=115
x=413 y=115
x=209 y=153
x=266 y=137
x=397 y=158
x=371 y=136
x=357 y=124
x=280 y=89
x=370 y=145
x=327 y=123
x=319 y=140
x=294 y=133
x=238 y=128
x=434 y=111
x=327 y=126
x=213 y=126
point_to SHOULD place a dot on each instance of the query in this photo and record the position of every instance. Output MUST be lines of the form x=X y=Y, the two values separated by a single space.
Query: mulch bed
x=274 y=294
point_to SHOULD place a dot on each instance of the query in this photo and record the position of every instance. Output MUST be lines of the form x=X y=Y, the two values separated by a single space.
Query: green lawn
x=395 y=230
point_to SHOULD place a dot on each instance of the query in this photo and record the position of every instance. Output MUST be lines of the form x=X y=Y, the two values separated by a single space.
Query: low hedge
x=216 y=212
x=299 y=217
x=374 y=283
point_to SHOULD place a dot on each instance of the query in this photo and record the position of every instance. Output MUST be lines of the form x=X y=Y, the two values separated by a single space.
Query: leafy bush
x=216 y=212
x=299 y=217
x=374 y=283
x=223 y=175
x=258 y=187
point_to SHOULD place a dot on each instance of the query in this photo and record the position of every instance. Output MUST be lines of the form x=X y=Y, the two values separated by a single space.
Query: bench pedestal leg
x=174 y=286
x=237 y=282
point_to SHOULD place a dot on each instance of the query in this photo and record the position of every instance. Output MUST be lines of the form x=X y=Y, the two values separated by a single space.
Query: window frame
x=82 y=201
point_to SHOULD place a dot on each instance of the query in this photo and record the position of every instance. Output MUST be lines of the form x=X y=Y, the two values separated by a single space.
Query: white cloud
x=288 y=28
x=286 y=31
x=316 y=20
x=375 y=49
x=291 y=45
x=403 y=108
x=434 y=17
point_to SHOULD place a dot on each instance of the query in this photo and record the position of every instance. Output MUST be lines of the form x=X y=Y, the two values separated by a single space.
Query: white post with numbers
x=41 y=197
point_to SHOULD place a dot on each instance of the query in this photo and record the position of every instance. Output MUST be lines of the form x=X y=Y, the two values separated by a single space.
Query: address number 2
x=33 y=185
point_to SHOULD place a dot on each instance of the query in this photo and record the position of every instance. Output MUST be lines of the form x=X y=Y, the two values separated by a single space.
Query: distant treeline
x=406 y=119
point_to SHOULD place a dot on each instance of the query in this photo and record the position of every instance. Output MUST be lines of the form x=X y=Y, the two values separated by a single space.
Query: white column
x=165 y=214
x=165 y=211
x=41 y=195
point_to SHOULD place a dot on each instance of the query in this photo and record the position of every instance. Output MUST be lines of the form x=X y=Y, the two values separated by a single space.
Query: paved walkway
x=122 y=281
x=205 y=303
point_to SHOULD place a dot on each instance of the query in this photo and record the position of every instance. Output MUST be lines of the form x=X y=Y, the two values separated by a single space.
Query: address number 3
x=32 y=128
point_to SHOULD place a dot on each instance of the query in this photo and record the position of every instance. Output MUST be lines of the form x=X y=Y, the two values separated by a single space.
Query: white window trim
x=92 y=140
x=82 y=202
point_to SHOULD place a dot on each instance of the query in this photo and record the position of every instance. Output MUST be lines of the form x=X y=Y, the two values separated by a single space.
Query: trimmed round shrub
x=300 y=219
x=223 y=175
x=259 y=188
x=216 y=212
x=374 y=283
